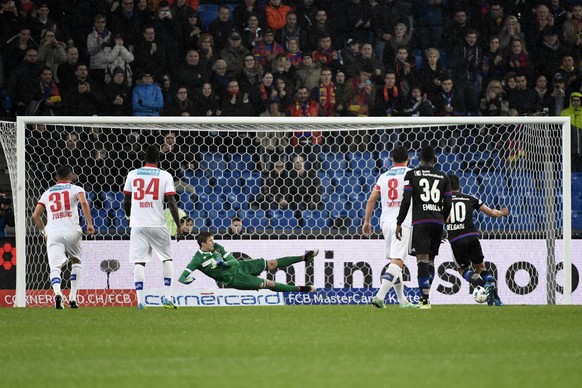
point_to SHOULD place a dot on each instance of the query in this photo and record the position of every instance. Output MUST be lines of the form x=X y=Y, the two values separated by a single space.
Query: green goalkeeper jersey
x=206 y=263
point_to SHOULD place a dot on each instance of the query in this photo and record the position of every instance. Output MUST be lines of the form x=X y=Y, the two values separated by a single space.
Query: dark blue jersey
x=461 y=223
x=428 y=190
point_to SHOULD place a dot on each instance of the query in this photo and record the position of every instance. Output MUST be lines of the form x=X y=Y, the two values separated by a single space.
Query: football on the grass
x=480 y=294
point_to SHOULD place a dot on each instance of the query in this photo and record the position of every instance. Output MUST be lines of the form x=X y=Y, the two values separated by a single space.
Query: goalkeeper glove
x=189 y=279
x=221 y=263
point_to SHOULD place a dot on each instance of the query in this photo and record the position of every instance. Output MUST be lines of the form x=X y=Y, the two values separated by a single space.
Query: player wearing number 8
x=428 y=190
x=145 y=190
x=62 y=232
x=389 y=189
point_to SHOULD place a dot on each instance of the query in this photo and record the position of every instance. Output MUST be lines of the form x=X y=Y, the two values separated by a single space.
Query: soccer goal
x=251 y=169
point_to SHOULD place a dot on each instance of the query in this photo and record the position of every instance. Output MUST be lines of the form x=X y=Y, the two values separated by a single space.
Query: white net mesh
x=233 y=170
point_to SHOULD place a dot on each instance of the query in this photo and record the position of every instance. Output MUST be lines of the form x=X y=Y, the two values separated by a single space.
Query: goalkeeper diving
x=214 y=261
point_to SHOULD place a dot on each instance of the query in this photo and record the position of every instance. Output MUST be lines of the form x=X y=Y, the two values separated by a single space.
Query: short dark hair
x=64 y=171
x=202 y=237
x=399 y=154
x=152 y=154
x=455 y=182
x=427 y=154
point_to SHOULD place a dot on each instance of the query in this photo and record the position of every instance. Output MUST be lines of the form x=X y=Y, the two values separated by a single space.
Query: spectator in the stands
x=285 y=91
x=455 y=34
x=181 y=10
x=252 y=32
x=559 y=93
x=367 y=58
x=10 y=21
x=430 y=75
x=169 y=33
x=206 y=49
x=304 y=186
x=16 y=49
x=318 y=29
x=574 y=111
x=127 y=21
x=355 y=21
x=351 y=56
x=97 y=40
x=51 y=52
x=292 y=29
x=83 y=97
x=493 y=22
x=448 y=102
x=523 y=98
x=492 y=64
x=118 y=56
x=23 y=80
x=517 y=59
x=262 y=92
x=417 y=104
x=570 y=72
x=149 y=53
x=325 y=54
x=274 y=190
x=192 y=30
x=192 y=73
x=466 y=62
x=266 y=50
x=176 y=156
x=389 y=97
x=545 y=103
x=306 y=13
x=385 y=15
x=45 y=99
x=540 y=20
x=236 y=103
x=221 y=28
x=405 y=70
x=494 y=102
x=220 y=79
x=117 y=95
x=147 y=97
x=325 y=93
x=234 y=54
x=66 y=70
x=206 y=101
x=511 y=30
x=547 y=57
x=400 y=38
x=360 y=93
x=181 y=105
x=430 y=23
x=276 y=12
x=303 y=106
x=41 y=22
x=244 y=11
x=235 y=230
x=281 y=68
x=293 y=53
x=308 y=72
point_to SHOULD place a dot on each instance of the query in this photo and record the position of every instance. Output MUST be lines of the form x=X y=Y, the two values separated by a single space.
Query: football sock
x=139 y=277
x=168 y=271
x=431 y=271
x=55 y=276
x=285 y=261
x=281 y=287
x=473 y=277
x=399 y=288
x=76 y=270
x=392 y=273
x=487 y=276
x=423 y=279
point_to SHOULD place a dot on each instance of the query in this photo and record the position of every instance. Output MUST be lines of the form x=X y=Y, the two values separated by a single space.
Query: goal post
x=519 y=162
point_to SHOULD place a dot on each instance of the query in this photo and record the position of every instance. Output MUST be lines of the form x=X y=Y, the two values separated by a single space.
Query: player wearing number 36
x=145 y=190
x=63 y=233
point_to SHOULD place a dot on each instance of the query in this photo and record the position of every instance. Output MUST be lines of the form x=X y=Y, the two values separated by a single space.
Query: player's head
x=152 y=155
x=205 y=241
x=455 y=182
x=427 y=155
x=399 y=154
x=64 y=173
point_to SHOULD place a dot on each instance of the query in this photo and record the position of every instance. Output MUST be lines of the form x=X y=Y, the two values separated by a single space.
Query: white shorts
x=396 y=249
x=145 y=239
x=61 y=245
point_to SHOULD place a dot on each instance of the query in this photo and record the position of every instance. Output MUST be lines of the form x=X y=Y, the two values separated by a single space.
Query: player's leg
x=394 y=268
x=421 y=243
x=139 y=254
x=57 y=258
x=289 y=260
x=282 y=287
x=246 y=278
x=75 y=253
x=493 y=298
x=161 y=244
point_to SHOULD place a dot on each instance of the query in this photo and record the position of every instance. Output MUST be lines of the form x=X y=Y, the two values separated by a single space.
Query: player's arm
x=226 y=258
x=447 y=198
x=493 y=212
x=171 y=200
x=370 y=205
x=36 y=217
x=187 y=275
x=405 y=205
x=87 y=212
x=127 y=204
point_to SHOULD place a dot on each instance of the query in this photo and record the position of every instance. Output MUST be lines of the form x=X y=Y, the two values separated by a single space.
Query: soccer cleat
x=167 y=303
x=309 y=288
x=73 y=304
x=310 y=255
x=498 y=302
x=59 y=302
x=141 y=306
x=490 y=287
x=377 y=302
x=424 y=304
x=409 y=306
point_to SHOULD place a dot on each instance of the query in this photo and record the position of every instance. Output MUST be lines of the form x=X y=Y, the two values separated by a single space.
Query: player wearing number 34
x=145 y=190
x=63 y=233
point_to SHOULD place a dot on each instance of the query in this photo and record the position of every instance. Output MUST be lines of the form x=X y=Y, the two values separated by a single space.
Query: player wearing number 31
x=63 y=233
x=389 y=189
x=145 y=190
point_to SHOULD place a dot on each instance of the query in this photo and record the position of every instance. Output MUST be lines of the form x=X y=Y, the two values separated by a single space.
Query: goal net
x=247 y=168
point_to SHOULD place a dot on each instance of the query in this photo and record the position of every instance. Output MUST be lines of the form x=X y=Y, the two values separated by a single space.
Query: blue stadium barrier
x=220 y=219
x=334 y=201
x=252 y=185
x=256 y=219
x=449 y=163
x=576 y=182
x=119 y=219
x=239 y=201
x=577 y=220
x=315 y=219
x=282 y=219
x=112 y=199
x=199 y=218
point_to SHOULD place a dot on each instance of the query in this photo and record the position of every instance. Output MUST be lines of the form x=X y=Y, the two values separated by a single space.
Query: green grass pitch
x=293 y=346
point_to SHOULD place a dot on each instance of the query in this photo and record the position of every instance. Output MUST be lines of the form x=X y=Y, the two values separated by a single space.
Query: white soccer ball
x=480 y=294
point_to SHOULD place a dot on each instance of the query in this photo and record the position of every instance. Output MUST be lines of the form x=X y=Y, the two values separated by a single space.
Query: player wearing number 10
x=428 y=190
x=63 y=232
x=145 y=190
x=389 y=189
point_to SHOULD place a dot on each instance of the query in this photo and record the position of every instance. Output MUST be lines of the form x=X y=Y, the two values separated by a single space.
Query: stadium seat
x=251 y=185
x=334 y=201
x=362 y=163
x=112 y=200
x=576 y=182
x=211 y=202
x=100 y=220
x=348 y=185
x=576 y=201
x=213 y=164
x=326 y=185
x=120 y=222
x=220 y=219
x=226 y=185
x=199 y=217
x=240 y=165
x=282 y=219
x=577 y=220
x=315 y=219
x=253 y=219
x=449 y=163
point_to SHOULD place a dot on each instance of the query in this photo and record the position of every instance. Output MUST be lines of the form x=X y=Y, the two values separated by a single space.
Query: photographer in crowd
x=6 y=214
